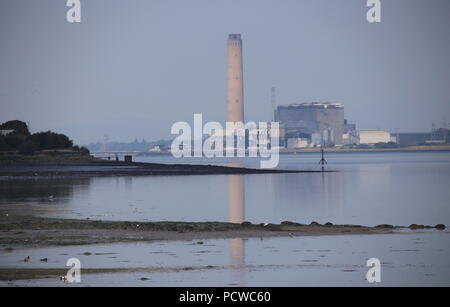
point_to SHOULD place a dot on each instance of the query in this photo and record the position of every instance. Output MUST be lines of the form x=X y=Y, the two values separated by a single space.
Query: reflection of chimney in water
x=236 y=198
x=237 y=253
x=236 y=207
x=129 y=184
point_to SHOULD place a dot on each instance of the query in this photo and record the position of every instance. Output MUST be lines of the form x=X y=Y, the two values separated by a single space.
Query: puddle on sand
x=299 y=261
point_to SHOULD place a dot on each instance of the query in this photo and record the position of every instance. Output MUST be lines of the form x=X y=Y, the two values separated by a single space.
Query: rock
x=44 y=260
x=87 y=254
x=440 y=227
x=200 y=242
x=328 y=224
x=27 y=259
x=385 y=226
x=289 y=223
x=314 y=224
x=415 y=226
x=246 y=224
x=145 y=278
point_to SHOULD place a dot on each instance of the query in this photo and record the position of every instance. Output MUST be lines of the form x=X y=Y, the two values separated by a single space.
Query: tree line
x=22 y=141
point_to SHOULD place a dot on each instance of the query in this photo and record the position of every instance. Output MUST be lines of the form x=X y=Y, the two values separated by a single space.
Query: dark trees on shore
x=24 y=142
x=51 y=140
x=19 y=127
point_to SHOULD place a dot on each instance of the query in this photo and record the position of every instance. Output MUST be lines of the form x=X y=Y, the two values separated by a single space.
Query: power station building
x=373 y=137
x=311 y=124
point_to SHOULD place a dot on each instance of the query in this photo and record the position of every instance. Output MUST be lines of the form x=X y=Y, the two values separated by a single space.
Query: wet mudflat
x=411 y=258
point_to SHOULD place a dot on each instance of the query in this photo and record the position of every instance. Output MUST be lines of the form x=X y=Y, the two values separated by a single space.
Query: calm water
x=369 y=189
x=412 y=259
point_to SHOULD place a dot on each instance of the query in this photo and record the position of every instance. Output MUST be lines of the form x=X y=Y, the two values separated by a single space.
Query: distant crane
x=444 y=130
x=273 y=100
x=432 y=130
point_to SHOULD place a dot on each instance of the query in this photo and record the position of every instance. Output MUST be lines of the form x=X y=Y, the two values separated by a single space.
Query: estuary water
x=398 y=188
x=410 y=259
x=367 y=188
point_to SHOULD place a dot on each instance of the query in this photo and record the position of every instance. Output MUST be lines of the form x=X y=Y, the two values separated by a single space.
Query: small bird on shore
x=27 y=259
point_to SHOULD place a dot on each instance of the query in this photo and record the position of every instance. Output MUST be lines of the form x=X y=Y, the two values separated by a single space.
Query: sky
x=131 y=69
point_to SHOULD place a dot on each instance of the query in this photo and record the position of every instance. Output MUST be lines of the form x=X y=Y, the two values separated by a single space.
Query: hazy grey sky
x=132 y=68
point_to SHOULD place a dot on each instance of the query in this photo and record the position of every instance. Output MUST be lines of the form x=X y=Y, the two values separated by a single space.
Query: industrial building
x=437 y=136
x=412 y=139
x=311 y=124
x=350 y=135
x=262 y=136
x=370 y=137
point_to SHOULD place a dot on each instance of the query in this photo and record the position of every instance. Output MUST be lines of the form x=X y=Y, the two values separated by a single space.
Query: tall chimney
x=235 y=95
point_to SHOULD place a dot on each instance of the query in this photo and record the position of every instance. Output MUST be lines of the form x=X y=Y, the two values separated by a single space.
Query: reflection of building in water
x=375 y=179
x=305 y=198
x=236 y=208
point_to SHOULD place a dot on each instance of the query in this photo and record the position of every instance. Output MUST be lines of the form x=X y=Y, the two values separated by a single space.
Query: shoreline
x=435 y=148
x=21 y=230
x=98 y=168
x=284 y=151
x=17 y=274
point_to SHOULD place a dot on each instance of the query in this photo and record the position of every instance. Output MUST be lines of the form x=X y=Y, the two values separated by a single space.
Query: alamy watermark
x=374 y=13
x=74 y=12
x=238 y=139
x=74 y=273
x=374 y=273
